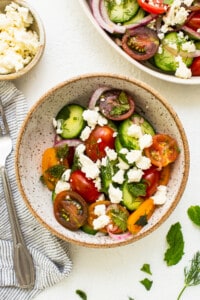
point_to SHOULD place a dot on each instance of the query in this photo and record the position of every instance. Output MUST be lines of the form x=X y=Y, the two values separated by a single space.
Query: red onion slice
x=96 y=95
x=120 y=237
x=69 y=142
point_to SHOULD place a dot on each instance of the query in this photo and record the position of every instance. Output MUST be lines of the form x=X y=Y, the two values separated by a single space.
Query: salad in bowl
x=161 y=37
x=108 y=163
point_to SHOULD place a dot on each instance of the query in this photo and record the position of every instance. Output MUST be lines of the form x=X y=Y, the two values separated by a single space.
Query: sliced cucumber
x=72 y=121
x=88 y=229
x=118 y=147
x=166 y=60
x=131 y=202
x=137 y=17
x=129 y=141
x=121 y=12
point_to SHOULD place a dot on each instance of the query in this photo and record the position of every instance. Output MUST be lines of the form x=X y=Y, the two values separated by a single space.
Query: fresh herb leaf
x=146 y=268
x=142 y=221
x=81 y=294
x=129 y=298
x=176 y=245
x=137 y=189
x=191 y=273
x=62 y=151
x=147 y=283
x=56 y=171
x=120 y=218
x=194 y=214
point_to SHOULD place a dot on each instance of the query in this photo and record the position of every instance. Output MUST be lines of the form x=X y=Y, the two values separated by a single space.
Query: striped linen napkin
x=51 y=256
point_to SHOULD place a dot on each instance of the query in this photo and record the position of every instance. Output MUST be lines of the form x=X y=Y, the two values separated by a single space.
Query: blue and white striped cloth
x=51 y=256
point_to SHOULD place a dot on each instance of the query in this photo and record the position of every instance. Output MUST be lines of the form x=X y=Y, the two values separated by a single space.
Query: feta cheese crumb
x=143 y=163
x=145 y=141
x=134 y=175
x=88 y=167
x=85 y=133
x=112 y=154
x=100 y=210
x=66 y=175
x=160 y=197
x=119 y=177
x=101 y=222
x=115 y=194
x=62 y=186
x=182 y=71
x=133 y=155
x=134 y=131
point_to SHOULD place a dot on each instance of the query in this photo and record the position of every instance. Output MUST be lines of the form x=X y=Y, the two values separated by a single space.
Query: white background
x=74 y=47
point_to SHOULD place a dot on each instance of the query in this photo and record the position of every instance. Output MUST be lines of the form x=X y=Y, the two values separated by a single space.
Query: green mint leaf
x=119 y=218
x=137 y=189
x=194 y=214
x=147 y=283
x=129 y=298
x=146 y=268
x=81 y=294
x=176 y=245
x=142 y=221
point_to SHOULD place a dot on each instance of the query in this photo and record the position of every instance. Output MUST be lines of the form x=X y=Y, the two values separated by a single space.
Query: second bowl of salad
x=161 y=38
x=102 y=160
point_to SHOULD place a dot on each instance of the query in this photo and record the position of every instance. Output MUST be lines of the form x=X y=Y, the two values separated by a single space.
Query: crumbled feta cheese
x=182 y=70
x=93 y=117
x=97 y=183
x=112 y=154
x=119 y=177
x=145 y=141
x=88 y=167
x=19 y=44
x=122 y=164
x=58 y=126
x=123 y=151
x=66 y=175
x=85 y=133
x=134 y=131
x=101 y=222
x=133 y=155
x=62 y=186
x=100 y=210
x=188 y=46
x=160 y=197
x=143 y=163
x=134 y=175
x=115 y=194
x=80 y=149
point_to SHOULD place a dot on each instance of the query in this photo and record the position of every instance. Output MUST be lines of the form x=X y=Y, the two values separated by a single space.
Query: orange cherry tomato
x=163 y=151
x=165 y=175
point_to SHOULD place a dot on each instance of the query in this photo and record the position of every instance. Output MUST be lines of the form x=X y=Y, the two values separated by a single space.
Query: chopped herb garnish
x=81 y=294
x=142 y=221
x=62 y=151
x=146 y=268
x=137 y=189
x=147 y=283
x=119 y=217
x=191 y=273
x=194 y=214
x=56 y=171
x=176 y=245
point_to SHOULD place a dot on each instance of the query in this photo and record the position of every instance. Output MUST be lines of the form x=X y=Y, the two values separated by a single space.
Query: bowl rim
x=42 y=40
x=160 y=75
x=131 y=81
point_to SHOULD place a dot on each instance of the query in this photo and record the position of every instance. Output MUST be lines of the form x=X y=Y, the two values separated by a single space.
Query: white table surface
x=73 y=47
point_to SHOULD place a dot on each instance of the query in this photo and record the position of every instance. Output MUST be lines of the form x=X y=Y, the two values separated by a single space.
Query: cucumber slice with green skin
x=129 y=201
x=166 y=60
x=88 y=229
x=72 y=121
x=129 y=141
x=118 y=147
x=119 y=13
x=137 y=17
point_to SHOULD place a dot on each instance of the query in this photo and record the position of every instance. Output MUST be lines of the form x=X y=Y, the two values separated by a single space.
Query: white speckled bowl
x=38 y=27
x=37 y=134
x=145 y=68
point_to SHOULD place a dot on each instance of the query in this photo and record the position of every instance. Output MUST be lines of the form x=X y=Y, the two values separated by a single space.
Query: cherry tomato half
x=91 y=213
x=151 y=178
x=194 y=20
x=116 y=105
x=70 y=210
x=195 y=66
x=153 y=6
x=100 y=138
x=163 y=151
x=83 y=186
x=140 y=43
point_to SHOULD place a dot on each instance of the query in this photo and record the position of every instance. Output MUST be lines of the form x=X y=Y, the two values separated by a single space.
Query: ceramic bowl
x=147 y=68
x=37 y=134
x=36 y=26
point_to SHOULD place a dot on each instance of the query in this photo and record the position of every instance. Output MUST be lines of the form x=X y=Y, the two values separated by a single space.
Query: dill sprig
x=191 y=273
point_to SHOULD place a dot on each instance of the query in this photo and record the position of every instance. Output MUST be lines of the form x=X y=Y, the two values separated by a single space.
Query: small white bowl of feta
x=89 y=196
x=22 y=39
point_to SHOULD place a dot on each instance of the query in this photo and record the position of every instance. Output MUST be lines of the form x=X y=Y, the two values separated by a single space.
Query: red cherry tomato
x=83 y=186
x=195 y=66
x=100 y=138
x=163 y=151
x=140 y=43
x=151 y=178
x=70 y=210
x=153 y=6
x=194 y=20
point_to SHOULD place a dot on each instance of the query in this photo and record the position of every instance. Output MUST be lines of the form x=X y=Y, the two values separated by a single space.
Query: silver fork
x=22 y=259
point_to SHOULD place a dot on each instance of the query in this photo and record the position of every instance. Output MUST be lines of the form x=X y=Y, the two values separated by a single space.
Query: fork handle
x=23 y=261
